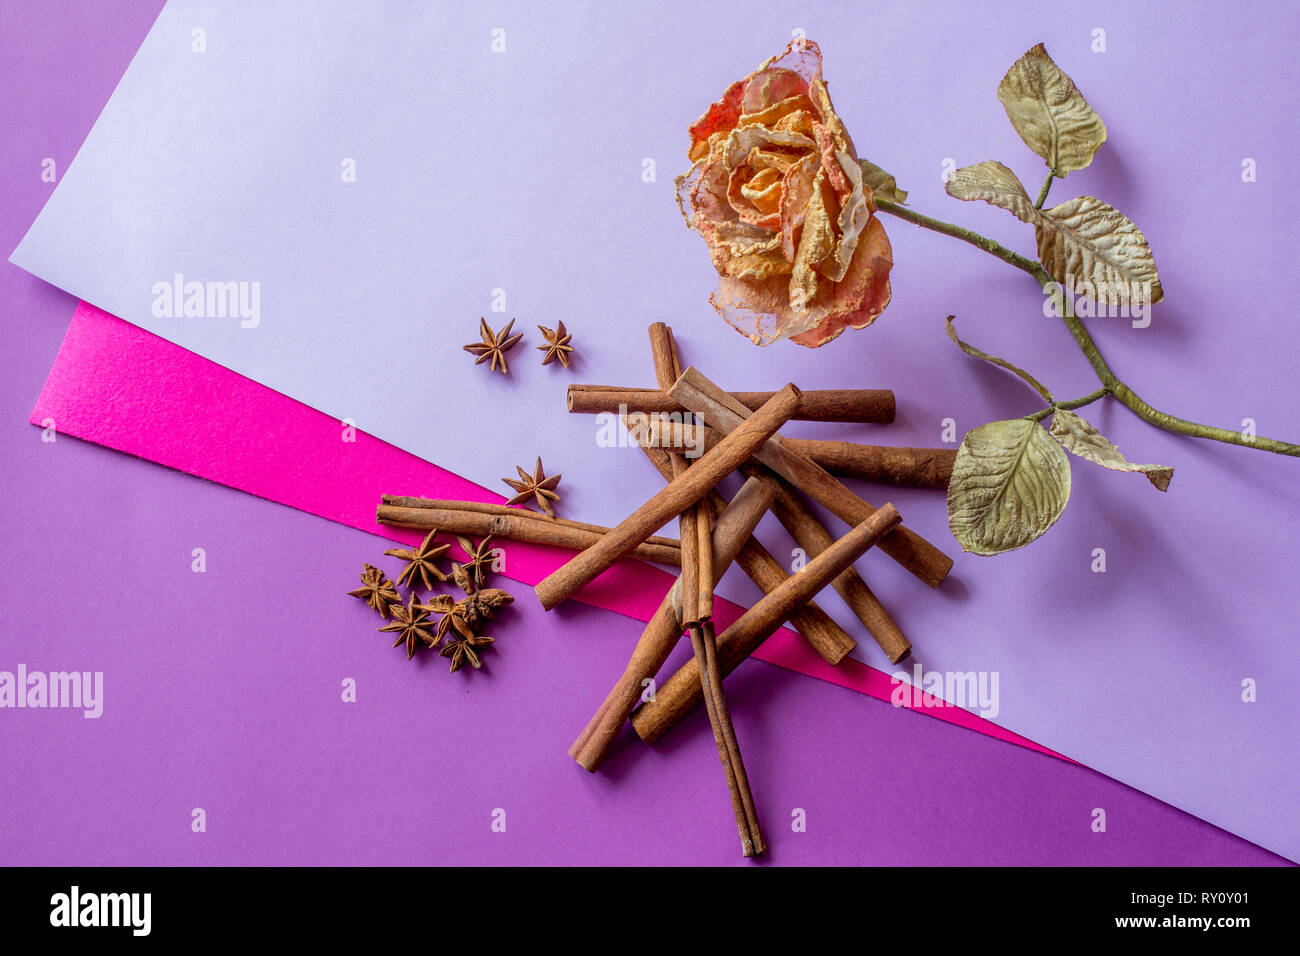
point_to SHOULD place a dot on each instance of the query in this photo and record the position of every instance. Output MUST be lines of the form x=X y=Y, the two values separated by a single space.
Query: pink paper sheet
x=119 y=386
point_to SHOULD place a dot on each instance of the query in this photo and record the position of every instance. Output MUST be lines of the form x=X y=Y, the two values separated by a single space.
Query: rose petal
x=817 y=242
x=761 y=310
x=764 y=191
x=771 y=159
x=800 y=122
x=774 y=115
x=769 y=85
x=708 y=197
x=855 y=212
x=777 y=193
x=864 y=293
x=744 y=251
x=719 y=117
x=794 y=204
x=744 y=207
x=829 y=118
x=826 y=143
x=743 y=141
x=751 y=306
x=741 y=144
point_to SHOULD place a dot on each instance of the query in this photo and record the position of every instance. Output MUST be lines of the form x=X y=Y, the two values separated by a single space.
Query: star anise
x=481 y=557
x=421 y=562
x=411 y=623
x=557 y=344
x=452 y=615
x=377 y=591
x=467 y=615
x=466 y=650
x=494 y=346
x=538 y=485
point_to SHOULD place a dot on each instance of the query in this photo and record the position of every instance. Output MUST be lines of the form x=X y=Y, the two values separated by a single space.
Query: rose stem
x=905 y=546
x=1112 y=384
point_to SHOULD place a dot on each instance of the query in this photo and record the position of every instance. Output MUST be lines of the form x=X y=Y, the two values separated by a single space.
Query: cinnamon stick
x=905 y=546
x=887 y=464
x=697 y=561
x=872 y=406
x=731 y=540
x=682 y=691
x=684 y=491
x=751 y=838
x=696 y=595
x=694 y=588
x=730 y=533
x=688 y=582
x=813 y=624
x=482 y=507
x=811 y=535
x=708 y=573
x=663 y=353
x=705 y=645
x=516 y=527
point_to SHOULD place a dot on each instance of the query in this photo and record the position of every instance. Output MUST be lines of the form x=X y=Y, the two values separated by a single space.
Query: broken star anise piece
x=557 y=344
x=475 y=609
x=377 y=591
x=421 y=565
x=494 y=346
x=464 y=580
x=480 y=608
x=466 y=615
x=411 y=623
x=538 y=485
x=481 y=557
x=464 y=650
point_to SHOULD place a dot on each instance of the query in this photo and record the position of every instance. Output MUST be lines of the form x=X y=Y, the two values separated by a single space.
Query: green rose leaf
x=1050 y=113
x=1079 y=436
x=1088 y=241
x=881 y=183
x=1086 y=245
x=995 y=184
x=973 y=352
x=1010 y=483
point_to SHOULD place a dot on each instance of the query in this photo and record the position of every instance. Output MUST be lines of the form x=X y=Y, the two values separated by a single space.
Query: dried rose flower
x=777 y=193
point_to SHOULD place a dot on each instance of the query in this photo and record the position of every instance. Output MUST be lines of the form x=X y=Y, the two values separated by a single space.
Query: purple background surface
x=222 y=689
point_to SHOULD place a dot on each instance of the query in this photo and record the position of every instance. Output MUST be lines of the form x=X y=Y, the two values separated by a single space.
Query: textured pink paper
x=120 y=386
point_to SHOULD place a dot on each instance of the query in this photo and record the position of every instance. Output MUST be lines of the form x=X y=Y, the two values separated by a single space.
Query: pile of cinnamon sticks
x=731 y=431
